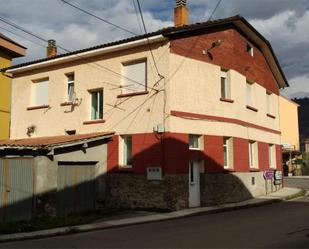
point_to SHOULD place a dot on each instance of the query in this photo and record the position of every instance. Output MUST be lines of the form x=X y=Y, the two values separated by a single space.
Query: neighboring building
x=201 y=131
x=8 y=50
x=289 y=128
x=303 y=119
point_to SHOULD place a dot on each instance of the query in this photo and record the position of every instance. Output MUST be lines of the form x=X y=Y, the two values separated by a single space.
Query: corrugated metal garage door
x=76 y=188
x=16 y=189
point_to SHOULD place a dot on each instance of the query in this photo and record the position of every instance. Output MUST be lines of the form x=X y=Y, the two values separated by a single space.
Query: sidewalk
x=297 y=177
x=281 y=195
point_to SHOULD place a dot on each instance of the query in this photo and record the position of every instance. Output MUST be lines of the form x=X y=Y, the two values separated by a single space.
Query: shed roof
x=52 y=141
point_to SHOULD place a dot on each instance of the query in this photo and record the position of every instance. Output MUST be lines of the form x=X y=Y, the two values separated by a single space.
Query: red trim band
x=132 y=94
x=37 y=107
x=222 y=119
x=98 y=121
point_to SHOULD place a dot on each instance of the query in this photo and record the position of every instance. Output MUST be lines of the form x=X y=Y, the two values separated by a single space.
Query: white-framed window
x=250 y=49
x=195 y=142
x=125 y=151
x=272 y=156
x=96 y=104
x=134 y=78
x=70 y=87
x=39 y=92
x=249 y=93
x=227 y=152
x=225 y=84
x=253 y=154
x=269 y=102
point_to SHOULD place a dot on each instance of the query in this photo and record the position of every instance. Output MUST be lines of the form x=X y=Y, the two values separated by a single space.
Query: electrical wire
x=214 y=10
x=21 y=36
x=88 y=61
x=138 y=19
x=97 y=17
x=143 y=22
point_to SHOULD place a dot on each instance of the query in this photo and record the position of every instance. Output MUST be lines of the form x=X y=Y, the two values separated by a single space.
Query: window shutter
x=134 y=78
x=40 y=93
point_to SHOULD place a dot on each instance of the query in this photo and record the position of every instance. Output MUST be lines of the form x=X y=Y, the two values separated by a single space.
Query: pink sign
x=269 y=175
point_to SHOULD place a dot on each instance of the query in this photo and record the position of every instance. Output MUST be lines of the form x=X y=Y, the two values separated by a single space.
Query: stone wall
x=223 y=188
x=127 y=190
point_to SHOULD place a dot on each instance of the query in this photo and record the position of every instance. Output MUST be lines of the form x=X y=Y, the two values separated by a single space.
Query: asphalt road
x=280 y=225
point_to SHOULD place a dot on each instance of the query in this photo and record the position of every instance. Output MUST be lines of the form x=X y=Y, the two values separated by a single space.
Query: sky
x=283 y=22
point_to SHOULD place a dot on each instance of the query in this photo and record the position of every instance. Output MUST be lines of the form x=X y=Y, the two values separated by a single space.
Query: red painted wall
x=263 y=149
x=213 y=147
x=172 y=153
x=241 y=154
x=232 y=54
x=112 y=154
x=279 y=157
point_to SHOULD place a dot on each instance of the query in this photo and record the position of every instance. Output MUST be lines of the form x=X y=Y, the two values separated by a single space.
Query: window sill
x=254 y=170
x=270 y=116
x=98 y=121
x=251 y=108
x=229 y=169
x=37 y=107
x=227 y=100
x=124 y=169
x=65 y=103
x=132 y=94
x=198 y=149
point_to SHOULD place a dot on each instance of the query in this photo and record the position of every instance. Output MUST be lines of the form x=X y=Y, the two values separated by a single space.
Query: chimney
x=181 y=14
x=51 y=49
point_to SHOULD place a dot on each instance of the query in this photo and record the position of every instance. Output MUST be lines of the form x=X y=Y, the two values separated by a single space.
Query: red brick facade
x=231 y=54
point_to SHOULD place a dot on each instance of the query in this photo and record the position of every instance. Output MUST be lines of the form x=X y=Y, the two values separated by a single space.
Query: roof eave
x=85 y=55
x=267 y=49
x=48 y=147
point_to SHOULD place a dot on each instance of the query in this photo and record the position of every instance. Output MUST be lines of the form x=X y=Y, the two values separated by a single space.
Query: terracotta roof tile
x=44 y=142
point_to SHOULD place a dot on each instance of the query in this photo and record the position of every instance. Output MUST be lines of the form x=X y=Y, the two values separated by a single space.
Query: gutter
x=87 y=54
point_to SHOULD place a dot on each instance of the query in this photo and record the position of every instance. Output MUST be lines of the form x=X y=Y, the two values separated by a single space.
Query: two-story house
x=194 y=109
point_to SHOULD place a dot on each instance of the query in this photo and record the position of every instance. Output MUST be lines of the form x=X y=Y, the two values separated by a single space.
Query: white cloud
x=284 y=27
x=71 y=28
x=299 y=87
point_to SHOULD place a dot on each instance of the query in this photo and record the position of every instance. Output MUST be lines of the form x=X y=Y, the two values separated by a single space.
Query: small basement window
x=70 y=132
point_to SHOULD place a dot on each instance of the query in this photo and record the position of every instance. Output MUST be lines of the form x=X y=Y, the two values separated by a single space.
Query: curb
x=148 y=219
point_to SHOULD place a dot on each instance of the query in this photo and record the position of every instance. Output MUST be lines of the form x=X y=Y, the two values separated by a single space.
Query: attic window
x=249 y=49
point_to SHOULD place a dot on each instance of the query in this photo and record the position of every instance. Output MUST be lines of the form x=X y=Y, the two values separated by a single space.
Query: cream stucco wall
x=135 y=114
x=195 y=87
x=289 y=122
x=191 y=86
